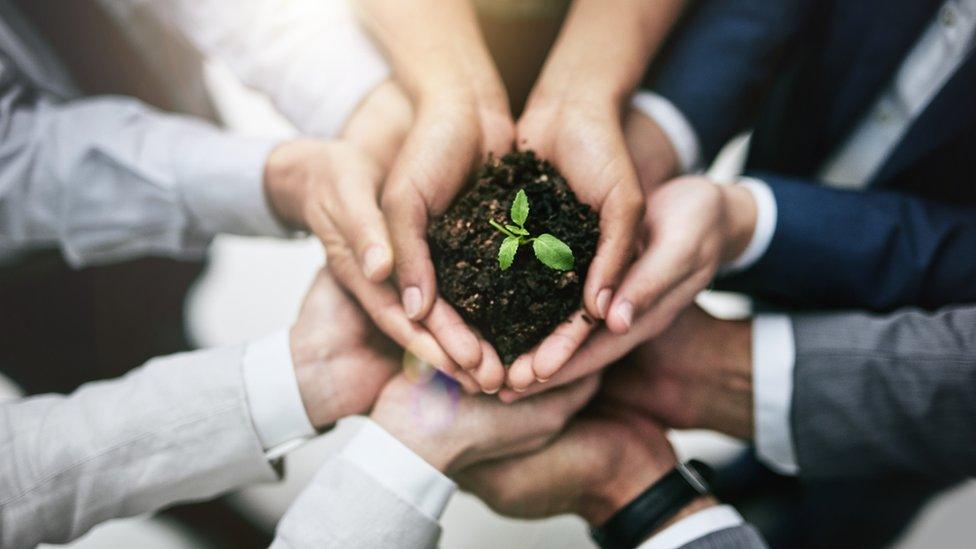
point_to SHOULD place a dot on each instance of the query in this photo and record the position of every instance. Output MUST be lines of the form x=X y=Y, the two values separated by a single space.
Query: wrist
x=323 y=407
x=726 y=403
x=423 y=442
x=741 y=213
x=624 y=478
x=286 y=181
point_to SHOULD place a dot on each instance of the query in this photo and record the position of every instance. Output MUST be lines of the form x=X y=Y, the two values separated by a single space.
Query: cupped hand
x=332 y=188
x=452 y=431
x=341 y=361
x=452 y=134
x=584 y=140
x=605 y=458
x=693 y=225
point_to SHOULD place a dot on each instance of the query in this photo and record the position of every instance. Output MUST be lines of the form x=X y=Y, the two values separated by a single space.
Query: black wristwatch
x=630 y=526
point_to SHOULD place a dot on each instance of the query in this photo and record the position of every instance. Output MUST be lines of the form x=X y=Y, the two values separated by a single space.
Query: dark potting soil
x=516 y=308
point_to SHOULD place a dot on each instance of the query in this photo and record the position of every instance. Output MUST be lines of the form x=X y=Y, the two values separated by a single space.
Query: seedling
x=551 y=251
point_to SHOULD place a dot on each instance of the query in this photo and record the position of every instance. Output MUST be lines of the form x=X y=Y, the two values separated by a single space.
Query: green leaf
x=520 y=208
x=554 y=253
x=501 y=229
x=506 y=254
x=517 y=230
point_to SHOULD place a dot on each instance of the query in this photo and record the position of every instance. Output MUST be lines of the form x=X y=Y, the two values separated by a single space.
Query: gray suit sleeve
x=345 y=508
x=177 y=429
x=884 y=395
x=740 y=537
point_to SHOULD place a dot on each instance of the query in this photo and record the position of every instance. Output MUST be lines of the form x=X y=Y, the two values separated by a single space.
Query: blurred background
x=100 y=322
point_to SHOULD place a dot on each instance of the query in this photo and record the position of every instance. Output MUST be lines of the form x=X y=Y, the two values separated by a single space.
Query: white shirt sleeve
x=674 y=125
x=762 y=235
x=404 y=473
x=773 y=359
x=109 y=178
x=273 y=396
x=309 y=56
x=695 y=526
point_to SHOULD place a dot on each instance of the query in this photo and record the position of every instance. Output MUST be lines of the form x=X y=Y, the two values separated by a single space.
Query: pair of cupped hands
x=369 y=196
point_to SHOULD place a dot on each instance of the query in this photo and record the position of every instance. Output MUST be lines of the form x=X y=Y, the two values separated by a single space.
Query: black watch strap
x=630 y=526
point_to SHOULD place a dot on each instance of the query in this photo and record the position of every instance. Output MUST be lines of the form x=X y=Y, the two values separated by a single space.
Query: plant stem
x=501 y=228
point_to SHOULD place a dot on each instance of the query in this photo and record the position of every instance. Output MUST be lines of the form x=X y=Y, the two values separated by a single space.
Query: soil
x=516 y=308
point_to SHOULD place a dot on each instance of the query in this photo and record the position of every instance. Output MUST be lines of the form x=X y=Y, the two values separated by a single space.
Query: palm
x=343 y=358
x=568 y=475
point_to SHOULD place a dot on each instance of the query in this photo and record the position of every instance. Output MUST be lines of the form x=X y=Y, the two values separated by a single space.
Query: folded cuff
x=773 y=357
x=386 y=459
x=273 y=396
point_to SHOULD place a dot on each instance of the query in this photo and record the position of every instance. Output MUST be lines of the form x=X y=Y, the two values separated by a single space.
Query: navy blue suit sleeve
x=874 y=250
x=721 y=60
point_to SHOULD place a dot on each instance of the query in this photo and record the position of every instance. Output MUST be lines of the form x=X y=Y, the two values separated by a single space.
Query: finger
x=619 y=217
x=560 y=345
x=454 y=335
x=498 y=132
x=663 y=267
x=520 y=375
x=406 y=212
x=569 y=399
x=381 y=303
x=467 y=382
x=361 y=223
x=602 y=349
x=490 y=373
x=605 y=348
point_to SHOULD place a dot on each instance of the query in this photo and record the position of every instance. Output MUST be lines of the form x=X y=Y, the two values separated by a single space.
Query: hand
x=603 y=461
x=451 y=432
x=585 y=142
x=695 y=374
x=693 y=226
x=450 y=136
x=573 y=119
x=333 y=189
x=341 y=362
x=440 y=58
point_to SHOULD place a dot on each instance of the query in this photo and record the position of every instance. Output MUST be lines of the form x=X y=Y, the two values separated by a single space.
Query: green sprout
x=551 y=251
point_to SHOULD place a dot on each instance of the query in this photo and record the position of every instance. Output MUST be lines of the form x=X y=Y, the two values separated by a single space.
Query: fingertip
x=490 y=374
x=603 y=298
x=621 y=318
x=413 y=302
x=521 y=375
x=548 y=359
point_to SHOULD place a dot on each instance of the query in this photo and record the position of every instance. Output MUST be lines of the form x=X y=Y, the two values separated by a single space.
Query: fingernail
x=541 y=379
x=518 y=390
x=412 y=302
x=374 y=258
x=603 y=301
x=625 y=313
x=491 y=392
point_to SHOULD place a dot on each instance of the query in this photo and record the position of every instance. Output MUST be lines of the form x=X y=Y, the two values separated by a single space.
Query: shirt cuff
x=695 y=526
x=221 y=182
x=273 y=397
x=762 y=235
x=386 y=459
x=773 y=358
x=674 y=125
